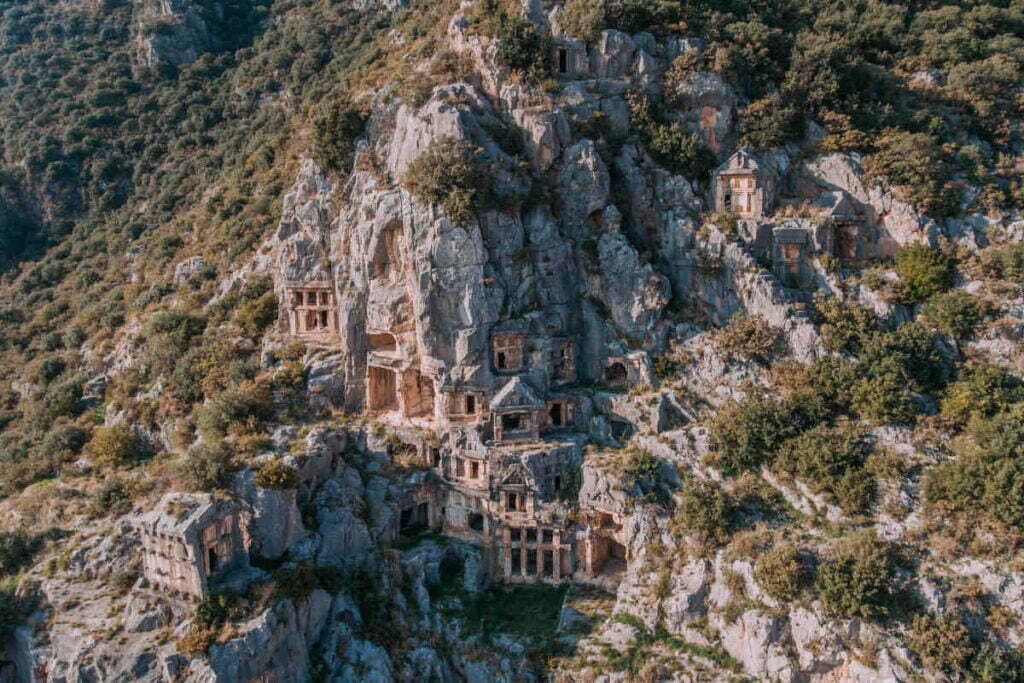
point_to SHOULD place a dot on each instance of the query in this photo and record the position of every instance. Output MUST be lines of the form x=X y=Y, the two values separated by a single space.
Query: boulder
x=276 y=521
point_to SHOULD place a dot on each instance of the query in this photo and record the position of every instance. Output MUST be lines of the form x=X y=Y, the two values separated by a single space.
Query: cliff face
x=582 y=415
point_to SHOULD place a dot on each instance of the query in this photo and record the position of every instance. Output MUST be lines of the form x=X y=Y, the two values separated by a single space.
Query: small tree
x=908 y=351
x=981 y=391
x=918 y=166
x=523 y=46
x=672 y=146
x=208 y=466
x=452 y=173
x=15 y=551
x=831 y=459
x=924 y=271
x=955 y=313
x=257 y=315
x=703 y=509
x=62 y=399
x=771 y=122
x=116 y=446
x=882 y=396
x=14 y=608
x=843 y=325
x=336 y=129
x=1002 y=262
x=748 y=433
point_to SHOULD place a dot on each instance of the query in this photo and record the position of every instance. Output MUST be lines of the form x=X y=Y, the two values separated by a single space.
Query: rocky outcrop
x=707 y=106
x=276 y=523
x=174 y=31
x=899 y=223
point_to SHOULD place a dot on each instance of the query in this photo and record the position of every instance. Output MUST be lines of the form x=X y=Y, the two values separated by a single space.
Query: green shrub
x=924 y=271
x=112 y=498
x=255 y=316
x=883 y=395
x=958 y=484
x=857 y=580
x=1003 y=262
x=196 y=640
x=170 y=337
x=748 y=433
x=955 y=313
x=771 y=122
x=244 y=408
x=987 y=474
x=291 y=377
x=831 y=459
x=680 y=151
x=276 y=475
x=523 y=46
x=980 y=391
x=992 y=664
x=640 y=464
x=53 y=341
x=209 y=616
x=748 y=337
x=185 y=382
x=177 y=327
x=74 y=337
x=669 y=144
x=337 y=127
x=62 y=399
x=50 y=369
x=704 y=509
x=1004 y=492
x=208 y=466
x=16 y=550
x=917 y=164
x=633 y=16
x=942 y=642
x=821 y=389
x=985 y=86
x=116 y=446
x=63 y=442
x=1001 y=436
x=781 y=572
x=14 y=608
x=299 y=582
x=451 y=173
x=843 y=325
x=831 y=381
x=582 y=19
x=909 y=352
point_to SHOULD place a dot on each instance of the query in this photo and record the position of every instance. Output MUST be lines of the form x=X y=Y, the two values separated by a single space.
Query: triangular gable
x=836 y=205
x=517 y=474
x=742 y=161
x=516 y=395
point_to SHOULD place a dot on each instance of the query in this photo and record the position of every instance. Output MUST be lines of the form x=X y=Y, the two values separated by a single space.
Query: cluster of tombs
x=506 y=503
x=504 y=477
x=832 y=224
x=506 y=415
x=506 y=474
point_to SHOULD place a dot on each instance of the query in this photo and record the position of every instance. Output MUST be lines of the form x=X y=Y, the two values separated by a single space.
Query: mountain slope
x=800 y=412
